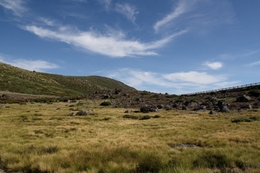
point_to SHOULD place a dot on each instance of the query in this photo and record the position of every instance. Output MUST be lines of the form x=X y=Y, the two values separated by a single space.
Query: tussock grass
x=42 y=138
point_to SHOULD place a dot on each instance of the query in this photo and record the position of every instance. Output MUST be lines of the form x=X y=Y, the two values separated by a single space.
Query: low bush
x=149 y=163
x=156 y=116
x=145 y=117
x=212 y=160
x=131 y=117
x=245 y=119
x=255 y=93
x=105 y=103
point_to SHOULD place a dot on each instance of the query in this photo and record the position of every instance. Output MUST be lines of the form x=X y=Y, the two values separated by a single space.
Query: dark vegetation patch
x=245 y=119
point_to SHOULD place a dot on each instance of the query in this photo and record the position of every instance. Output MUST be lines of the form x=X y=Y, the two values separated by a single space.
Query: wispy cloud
x=194 y=77
x=106 y=3
x=47 y=22
x=177 y=83
x=253 y=64
x=239 y=55
x=113 y=44
x=16 y=6
x=38 y=65
x=196 y=15
x=129 y=11
x=214 y=65
x=182 y=7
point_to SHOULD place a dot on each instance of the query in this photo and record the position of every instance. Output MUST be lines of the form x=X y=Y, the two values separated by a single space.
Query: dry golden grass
x=42 y=138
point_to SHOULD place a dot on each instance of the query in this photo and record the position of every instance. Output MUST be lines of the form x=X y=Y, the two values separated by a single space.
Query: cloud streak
x=38 y=65
x=113 y=44
x=196 y=15
x=127 y=10
x=182 y=7
x=254 y=64
x=16 y=6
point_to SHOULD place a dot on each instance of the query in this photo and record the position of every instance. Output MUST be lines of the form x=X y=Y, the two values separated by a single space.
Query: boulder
x=148 y=108
x=243 y=98
x=71 y=114
x=83 y=112
x=128 y=111
x=225 y=109
x=160 y=106
x=213 y=112
x=222 y=105
x=185 y=108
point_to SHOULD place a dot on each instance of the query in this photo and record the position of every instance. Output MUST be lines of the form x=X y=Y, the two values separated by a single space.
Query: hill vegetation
x=18 y=80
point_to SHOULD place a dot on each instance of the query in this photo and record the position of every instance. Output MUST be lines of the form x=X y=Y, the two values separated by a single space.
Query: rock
x=82 y=112
x=127 y=111
x=243 y=98
x=225 y=109
x=160 y=106
x=106 y=96
x=150 y=108
x=71 y=114
x=191 y=104
x=185 y=108
x=223 y=106
x=246 y=106
x=213 y=112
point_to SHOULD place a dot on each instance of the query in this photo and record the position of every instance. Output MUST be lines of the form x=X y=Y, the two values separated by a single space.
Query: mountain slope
x=14 y=79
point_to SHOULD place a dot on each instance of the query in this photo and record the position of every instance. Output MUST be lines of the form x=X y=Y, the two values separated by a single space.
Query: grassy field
x=42 y=138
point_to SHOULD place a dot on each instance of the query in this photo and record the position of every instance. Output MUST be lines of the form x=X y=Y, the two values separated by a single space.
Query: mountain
x=18 y=80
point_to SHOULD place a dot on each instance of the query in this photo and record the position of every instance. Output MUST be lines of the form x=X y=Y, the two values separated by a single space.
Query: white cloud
x=47 y=22
x=197 y=15
x=239 y=55
x=127 y=10
x=181 y=8
x=194 y=77
x=16 y=6
x=176 y=83
x=112 y=44
x=37 y=65
x=214 y=65
x=254 y=64
x=106 y=3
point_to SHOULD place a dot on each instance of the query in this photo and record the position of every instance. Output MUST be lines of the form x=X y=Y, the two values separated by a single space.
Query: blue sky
x=173 y=46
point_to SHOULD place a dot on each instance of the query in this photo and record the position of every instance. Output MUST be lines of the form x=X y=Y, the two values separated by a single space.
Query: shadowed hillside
x=18 y=80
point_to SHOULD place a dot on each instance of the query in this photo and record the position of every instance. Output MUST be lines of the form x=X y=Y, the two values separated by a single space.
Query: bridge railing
x=223 y=89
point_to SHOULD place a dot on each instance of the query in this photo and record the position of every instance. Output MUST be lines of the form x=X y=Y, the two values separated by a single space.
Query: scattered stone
x=225 y=109
x=160 y=106
x=128 y=111
x=71 y=114
x=82 y=112
x=148 y=108
x=243 y=98
x=213 y=112
x=185 y=108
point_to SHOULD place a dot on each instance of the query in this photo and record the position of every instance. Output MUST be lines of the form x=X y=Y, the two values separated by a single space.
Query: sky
x=166 y=46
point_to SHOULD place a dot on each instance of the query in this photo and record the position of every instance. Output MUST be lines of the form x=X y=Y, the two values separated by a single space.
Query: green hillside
x=14 y=79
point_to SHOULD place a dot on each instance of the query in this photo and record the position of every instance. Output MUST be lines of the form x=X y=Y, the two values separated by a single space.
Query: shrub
x=156 y=116
x=145 y=117
x=149 y=163
x=255 y=93
x=145 y=93
x=105 y=103
x=2 y=163
x=131 y=117
x=245 y=119
x=212 y=160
